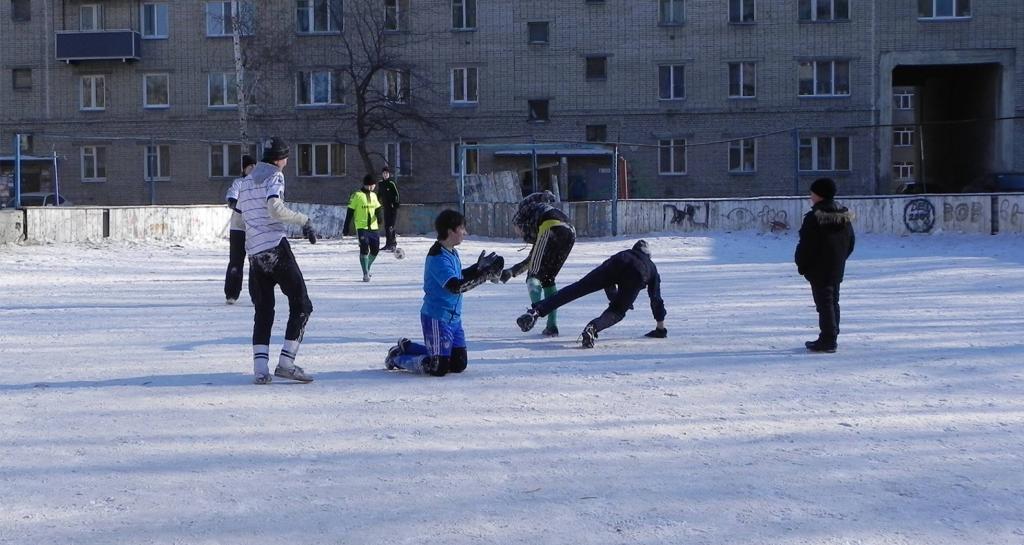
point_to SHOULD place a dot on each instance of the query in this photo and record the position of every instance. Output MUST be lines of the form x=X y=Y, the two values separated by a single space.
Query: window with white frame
x=158 y=162
x=318 y=16
x=464 y=85
x=903 y=171
x=222 y=90
x=903 y=100
x=90 y=17
x=671 y=83
x=156 y=91
x=672 y=156
x=396 y=86
x=671 y=12
x=742 y=80
x=596 y=133
x=25 y=143
x=226 y=159
x=743 y=155
x=944 y=9
x=92 y=93
x=319 y=88
x=463 y=14
x=94 y=163
x=824 y=153
x=741 y=11
x=472 y=159
x=395 y=17
x=398 y=156
x=154 y=20
x=824 y=10
x=321 y=159
x=824 y=78
x=221 y=17
x=903 y=137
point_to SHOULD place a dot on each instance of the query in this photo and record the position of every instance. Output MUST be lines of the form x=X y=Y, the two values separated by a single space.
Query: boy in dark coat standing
x=389 y=202
x=826 y=241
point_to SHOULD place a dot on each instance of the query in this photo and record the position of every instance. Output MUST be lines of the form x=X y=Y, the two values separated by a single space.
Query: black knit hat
x=369 y=179
x=277 y=150
x=247 y=161
x=824 y=188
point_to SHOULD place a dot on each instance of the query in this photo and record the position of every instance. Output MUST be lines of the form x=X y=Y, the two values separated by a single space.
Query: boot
x=589 y=336
x=527 y=321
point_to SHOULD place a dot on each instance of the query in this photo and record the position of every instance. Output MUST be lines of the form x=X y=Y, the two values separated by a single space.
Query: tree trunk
x=243 y=98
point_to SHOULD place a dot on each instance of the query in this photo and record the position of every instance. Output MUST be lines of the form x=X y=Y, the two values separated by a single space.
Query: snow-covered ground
x=128 y=416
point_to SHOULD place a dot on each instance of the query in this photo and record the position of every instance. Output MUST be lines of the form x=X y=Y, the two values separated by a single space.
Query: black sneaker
x=550 y=331
x=818 y=346
x=437 y=367
x=527 y=321
x=589 y=336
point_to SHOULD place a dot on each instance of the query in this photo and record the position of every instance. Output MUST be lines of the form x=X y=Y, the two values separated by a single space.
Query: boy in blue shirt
x=444 y=282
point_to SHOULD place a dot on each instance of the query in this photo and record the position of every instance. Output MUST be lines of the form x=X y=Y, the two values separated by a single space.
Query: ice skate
x=294 y=373
x=527 y=321
x=589 y=336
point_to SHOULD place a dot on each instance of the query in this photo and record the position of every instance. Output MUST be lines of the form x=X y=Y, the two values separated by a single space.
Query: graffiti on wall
x=772 y=219
x=962 y=212
x=919 y=216
x=1010 y=213
x=690 y=215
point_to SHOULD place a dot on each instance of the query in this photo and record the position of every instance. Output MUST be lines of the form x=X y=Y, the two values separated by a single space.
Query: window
x=22 y=78
x=222 y=16
x=321 y=159
x=670 y=12
x=944 y=9
x=21 y=10
x=154 y=21
x=597 y=67
x=597 y=133
x=90 y=17
x=25 y=143
x=824 y=10
x=318 y=16
x=741 y=11
x=824 y=78
x=670 y=82
x=539 y=32
x=464 y=86
x=672 y=156
x=93 y=93
x=903 y=137
x=538 y=110
x=226 y=159
x=472 y=159
x=158 y=162
x=903 y=100
x=742 y=80
x=319 y=88
x=463 y=14
x=398 y=156
x=222 y=90
x=395 y=14
x=824 y=153
x=396 y=86
x=743 y=155
x=903 y=171
x=156 y=91
x=94 y=163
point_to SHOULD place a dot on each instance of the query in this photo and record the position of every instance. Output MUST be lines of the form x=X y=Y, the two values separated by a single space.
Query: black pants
x=268 y=269
x=236 y=265
x=826 y=301
x=621 y=295
x=369 y=242
x=550 y=252
x=390 y=219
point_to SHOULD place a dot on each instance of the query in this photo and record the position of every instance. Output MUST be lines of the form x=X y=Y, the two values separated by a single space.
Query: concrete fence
x=895 y=215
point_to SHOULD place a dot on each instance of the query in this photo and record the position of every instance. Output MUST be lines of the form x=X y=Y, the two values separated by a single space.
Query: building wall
x=511 y=72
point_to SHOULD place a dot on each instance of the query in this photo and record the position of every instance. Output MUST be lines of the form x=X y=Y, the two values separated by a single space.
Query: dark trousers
x=390 y=219
x=550 y=253
x=236 y=264
x=268 y=269
x=369 y=242
x=621 y=296
x=826 y=301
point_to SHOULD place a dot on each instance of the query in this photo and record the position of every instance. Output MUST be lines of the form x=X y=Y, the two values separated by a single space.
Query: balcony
x=99 y=45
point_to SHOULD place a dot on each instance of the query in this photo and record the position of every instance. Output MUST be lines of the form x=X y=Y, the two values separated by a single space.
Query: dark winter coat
x=387 y=191
x=826 y=240
x=630 y=271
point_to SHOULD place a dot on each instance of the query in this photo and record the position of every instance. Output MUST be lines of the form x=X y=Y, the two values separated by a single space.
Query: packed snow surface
x=129 y=416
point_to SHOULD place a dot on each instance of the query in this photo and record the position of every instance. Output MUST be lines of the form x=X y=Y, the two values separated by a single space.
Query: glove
x=657 y=333
x=505 y=276
x=309 y=232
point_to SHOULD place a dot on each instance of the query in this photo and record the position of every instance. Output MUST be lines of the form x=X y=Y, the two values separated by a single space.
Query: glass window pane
x=806 y=74
x=458 y=83
x=825 y=153
x=734 y=156
x=677 y=82
x=216 y=90
x=679 y=156
x=749 y=77
x=305 y=160
x=320 y=159
x=806 y=154
x=734 y=79
x=321 y=16
x=943 y=8
x=337 y=159
x=165 y=161
x=216 y=160
x=842 y=8
x=842 y=153
x=234 y=160
x=664 y=156
x=665 y=82
x=824 y=11
x=823 y=78
x=321 y=87
x=842 y=74
x=805 y=10
x=963 y=8
x=101 y=162
x=924 y=8
x=471 y=81
x=470 y=13
x=303 y=82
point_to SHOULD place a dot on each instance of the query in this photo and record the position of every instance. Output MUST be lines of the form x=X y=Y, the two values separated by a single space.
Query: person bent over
x=621 y=276
x=552 y=236
x=444 y=281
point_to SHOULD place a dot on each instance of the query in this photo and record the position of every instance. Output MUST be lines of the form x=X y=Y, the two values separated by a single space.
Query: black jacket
x=826 y=240
x=629 y=271
x=387 y=192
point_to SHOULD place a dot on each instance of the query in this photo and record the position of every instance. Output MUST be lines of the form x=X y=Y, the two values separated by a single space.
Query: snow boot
x=294 y=373
x=527 y=321
x=589 y=336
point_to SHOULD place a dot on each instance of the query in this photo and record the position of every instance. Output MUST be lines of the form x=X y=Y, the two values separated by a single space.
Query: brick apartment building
x=704 y=97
